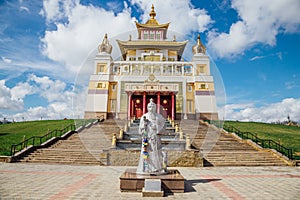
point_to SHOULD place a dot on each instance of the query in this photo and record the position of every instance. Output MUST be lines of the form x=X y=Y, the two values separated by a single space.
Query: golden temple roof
x=152 y=22
x=152 y=44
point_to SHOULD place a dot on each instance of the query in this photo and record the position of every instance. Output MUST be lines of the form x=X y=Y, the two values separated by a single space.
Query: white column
x=184 y=98
x=118 y=99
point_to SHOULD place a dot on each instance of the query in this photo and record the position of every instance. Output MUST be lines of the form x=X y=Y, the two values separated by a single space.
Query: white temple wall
x=205 y=104
x=96 y=103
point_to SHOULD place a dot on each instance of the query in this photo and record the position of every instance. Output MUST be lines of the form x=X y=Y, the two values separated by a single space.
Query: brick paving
x=42 y=181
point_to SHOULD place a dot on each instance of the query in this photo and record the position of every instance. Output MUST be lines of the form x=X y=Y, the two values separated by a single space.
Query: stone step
x=240 y=156
x=65 y=162
x=219 y=149
x=224 y=150
x=70 y=151
x=60 y=155
x=249 y=164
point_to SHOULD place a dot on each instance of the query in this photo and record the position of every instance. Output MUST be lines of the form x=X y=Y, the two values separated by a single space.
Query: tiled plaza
x=41 y=181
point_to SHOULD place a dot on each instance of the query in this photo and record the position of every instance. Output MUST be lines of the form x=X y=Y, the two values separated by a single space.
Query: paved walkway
x=41 y=181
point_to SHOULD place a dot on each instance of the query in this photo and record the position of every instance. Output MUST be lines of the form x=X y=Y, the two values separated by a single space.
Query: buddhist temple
x=151 y=66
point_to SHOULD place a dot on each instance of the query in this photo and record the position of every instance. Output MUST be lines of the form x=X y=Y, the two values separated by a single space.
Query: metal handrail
x=38 y=140
x=264 y=143
x=84 y=122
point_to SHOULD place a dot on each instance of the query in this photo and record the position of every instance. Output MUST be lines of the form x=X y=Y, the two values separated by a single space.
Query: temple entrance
x=164 y=106
x=163 y=95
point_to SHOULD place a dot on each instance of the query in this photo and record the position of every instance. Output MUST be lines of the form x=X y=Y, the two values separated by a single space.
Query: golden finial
x=152 y=13
x=105 y=46
x=199 y=47
x=174 y=38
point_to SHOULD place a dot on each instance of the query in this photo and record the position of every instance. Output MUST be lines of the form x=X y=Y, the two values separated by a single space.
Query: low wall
x=187 y=158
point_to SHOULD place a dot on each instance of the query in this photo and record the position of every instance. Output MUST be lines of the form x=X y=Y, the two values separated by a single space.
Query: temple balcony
x=158 y=68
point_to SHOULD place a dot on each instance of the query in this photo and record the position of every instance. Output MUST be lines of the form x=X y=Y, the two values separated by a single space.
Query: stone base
x=173 y=182
x=152 y=188
x=152 y=193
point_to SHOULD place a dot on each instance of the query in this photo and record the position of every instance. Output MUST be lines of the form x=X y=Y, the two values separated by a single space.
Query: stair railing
x=84 y=122
x=38 y=140
x=264 y=143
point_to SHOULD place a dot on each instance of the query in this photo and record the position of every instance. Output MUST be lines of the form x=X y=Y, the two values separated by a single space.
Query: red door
x=138 y=107
x=166 y=106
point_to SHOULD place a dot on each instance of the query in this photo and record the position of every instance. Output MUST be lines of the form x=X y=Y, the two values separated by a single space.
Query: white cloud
x=23 y=8
x=260 y=22
x=6 y=60
x=257 y=58
x=52 y=90
x=290 y=85
x=57 y=9
x=85 y=28
x=62 y=100
x=183 y=16
x=21 y=90
x=269 y=113
x=52 y=111
x=8 y=101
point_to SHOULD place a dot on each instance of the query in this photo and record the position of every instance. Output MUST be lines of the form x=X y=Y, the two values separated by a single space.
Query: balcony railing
x=163 y=87
x=157 y=68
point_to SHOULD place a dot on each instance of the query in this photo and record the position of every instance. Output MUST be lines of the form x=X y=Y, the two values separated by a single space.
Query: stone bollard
x=187 y=143
x=114 y=141
x=181 y=135
x=129 y=123
x=121 y=134
x=125 y=128
x=165 y=160
x=176 y=128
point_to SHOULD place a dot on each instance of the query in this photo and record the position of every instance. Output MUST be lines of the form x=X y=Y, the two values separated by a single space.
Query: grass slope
x=289 y=136
x=14 y=133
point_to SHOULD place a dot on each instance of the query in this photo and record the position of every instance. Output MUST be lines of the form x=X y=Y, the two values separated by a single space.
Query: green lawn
x=14 y=133
x=289 y=136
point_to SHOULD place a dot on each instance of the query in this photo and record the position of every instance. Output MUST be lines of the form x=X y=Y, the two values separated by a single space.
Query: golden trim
x=152 y=44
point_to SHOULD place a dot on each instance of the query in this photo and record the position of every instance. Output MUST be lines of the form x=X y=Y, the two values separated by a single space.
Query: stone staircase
x=221 y=149
x=79 y=148
x=218 y=149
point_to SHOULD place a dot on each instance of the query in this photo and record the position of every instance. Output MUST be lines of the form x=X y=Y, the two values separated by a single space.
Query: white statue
x=152 y=159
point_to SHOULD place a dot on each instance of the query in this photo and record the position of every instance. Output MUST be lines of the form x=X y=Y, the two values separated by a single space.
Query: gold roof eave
x=152 y=44
x=152 y=25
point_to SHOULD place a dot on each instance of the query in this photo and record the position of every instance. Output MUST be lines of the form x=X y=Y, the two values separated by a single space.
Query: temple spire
x=105 y=46
x=199 y=47
x=152 y=13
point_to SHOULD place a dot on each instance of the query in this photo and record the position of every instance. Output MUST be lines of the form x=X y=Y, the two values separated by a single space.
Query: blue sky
x=45 y=44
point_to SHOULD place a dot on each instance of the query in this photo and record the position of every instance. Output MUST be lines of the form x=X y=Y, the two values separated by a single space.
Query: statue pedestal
x=152 y=188
x=172 y=182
